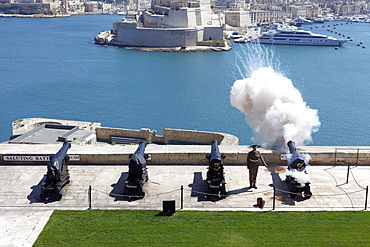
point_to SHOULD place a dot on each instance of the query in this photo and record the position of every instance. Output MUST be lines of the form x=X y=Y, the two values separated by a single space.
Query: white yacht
x=301 y=21
x=289 y=35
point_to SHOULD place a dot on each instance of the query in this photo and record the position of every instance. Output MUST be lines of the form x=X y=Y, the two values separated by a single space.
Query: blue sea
x=51 y=68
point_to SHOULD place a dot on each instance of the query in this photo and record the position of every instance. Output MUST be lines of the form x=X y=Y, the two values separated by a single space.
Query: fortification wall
x=170 y=136
x=181 y=154
x=182 y=18
x=213 y=33
x=128 y=34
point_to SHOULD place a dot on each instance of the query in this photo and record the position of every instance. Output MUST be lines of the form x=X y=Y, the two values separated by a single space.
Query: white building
x=238 y=18
x=171 y=24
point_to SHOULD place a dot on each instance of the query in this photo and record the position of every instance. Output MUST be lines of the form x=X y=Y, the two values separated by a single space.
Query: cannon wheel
x=307 y=194
x=58 y=197
x=125 y=191
x=293 y=193
x=43 y=196
x=223 y=193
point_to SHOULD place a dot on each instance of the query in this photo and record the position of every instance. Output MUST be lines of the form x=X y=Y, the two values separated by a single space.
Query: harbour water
x=51 y=68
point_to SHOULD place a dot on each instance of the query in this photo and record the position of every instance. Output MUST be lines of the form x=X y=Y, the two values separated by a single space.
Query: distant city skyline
x=261 y=10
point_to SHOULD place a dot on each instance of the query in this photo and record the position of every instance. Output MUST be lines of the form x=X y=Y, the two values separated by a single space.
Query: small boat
x=301 y=21
x=235 y=35
x=319 y=20
x=242 y=40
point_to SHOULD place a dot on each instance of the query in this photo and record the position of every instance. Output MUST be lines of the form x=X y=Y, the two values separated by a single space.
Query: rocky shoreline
x=181 y=49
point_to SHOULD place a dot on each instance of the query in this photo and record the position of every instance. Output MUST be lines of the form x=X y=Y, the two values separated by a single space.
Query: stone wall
x=170 y=136
x=104 y=134
x=129 y=35
x=238 y=18
x=185 y=154
x=183 y=18
x=214 y=33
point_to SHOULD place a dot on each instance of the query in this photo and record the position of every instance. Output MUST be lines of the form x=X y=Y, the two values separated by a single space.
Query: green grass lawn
x=198 y=228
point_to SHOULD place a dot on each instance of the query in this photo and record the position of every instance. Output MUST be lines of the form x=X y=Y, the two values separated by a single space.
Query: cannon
x=57 y=175
x=215 y=174
x=137 y=173
x=297 y=177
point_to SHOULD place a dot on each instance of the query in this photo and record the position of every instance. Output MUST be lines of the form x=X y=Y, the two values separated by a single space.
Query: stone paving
x=23 y=215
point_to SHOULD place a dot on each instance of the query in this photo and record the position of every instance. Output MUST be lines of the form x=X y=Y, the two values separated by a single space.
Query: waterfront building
x=169 y=24
x=92 y=6
x=347 y=9
x=297 y=11
x=74 y=7
x=238 y=18
x=261 y=17
x=313 y=11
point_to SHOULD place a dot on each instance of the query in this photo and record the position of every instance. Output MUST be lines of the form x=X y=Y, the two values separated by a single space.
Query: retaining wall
x=184 y=154
x=170 y=136
x=129 y=34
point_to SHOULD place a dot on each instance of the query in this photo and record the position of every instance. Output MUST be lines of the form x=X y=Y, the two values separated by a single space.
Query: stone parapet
x=170 y=136
x=22 y=126
x=105 y=133
x=184 y=154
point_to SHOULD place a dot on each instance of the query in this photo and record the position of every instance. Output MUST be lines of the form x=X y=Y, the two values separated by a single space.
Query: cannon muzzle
x=215 y=155
x=140 y=151
x=61 y=154
x=295 y=159
x=141 y=148
x=292 y=149
x=138 y=159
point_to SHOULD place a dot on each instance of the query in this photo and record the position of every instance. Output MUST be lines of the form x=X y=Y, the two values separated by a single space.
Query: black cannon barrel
x=62 y=153
x=141 y=149
x=292 y=148
x=140 y=153
x=215 y=152
x=57 y=175
x=296 y=161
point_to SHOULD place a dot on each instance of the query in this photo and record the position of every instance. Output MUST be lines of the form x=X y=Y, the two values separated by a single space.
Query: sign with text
x=35 y=158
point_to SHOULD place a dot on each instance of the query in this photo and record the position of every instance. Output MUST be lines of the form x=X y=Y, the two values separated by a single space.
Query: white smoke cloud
x=301 y=177
x=274 y=108
x=303 y=156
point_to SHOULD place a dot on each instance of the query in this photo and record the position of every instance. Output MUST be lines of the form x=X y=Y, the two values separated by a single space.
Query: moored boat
x=288 y=35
